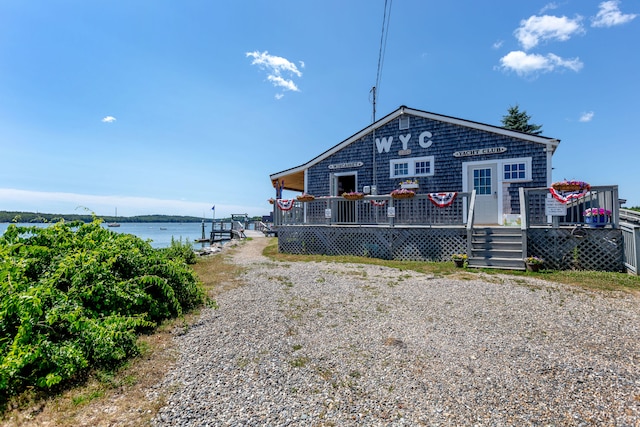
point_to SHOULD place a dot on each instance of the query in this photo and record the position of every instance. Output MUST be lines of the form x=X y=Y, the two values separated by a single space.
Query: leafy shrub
x=74 y=296
x=180 y=250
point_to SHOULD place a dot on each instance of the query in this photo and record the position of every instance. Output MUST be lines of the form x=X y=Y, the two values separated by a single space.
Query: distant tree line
x=36 y=217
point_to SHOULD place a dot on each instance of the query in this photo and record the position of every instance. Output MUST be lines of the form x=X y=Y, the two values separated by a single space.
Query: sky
x=173 y=107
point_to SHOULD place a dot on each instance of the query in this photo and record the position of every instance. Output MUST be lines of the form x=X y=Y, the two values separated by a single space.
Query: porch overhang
x=293 y=179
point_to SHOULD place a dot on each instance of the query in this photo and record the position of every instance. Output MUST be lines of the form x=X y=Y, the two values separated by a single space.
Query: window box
x=410 y=186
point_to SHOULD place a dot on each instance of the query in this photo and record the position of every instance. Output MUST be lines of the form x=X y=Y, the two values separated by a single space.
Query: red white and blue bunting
x=565 y=196
x=285 y=204
x=442 y=200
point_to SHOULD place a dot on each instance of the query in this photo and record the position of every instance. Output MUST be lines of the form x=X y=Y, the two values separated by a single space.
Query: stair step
x=503 y=263
x=497 y=253
x=514 y=246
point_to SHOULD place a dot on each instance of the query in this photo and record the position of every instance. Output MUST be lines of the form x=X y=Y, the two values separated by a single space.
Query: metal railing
x=631 y=237
x=419 y=210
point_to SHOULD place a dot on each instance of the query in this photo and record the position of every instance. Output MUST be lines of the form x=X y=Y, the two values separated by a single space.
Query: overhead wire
x=386 y=18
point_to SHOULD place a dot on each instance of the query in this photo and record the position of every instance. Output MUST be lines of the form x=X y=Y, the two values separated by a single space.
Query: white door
x=484 y=179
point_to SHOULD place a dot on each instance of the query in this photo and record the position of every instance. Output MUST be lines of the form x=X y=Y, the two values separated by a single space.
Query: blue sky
x=171 y=107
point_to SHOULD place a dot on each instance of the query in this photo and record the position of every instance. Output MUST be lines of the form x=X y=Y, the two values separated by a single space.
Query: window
x=404 y=122
x=416 y=166
x=517 y=170
x=401 y=169
x=423 y=167
x=482 y=181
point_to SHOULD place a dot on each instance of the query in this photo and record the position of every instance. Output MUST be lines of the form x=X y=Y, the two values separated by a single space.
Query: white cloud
x=549 y=6
x=498 y=44
x=525 y=64
x=537 y=29
x=280 y=71
x=609 y=15
x=587 y=116
x=108 y=119
x=279 y=95
x=278 y=81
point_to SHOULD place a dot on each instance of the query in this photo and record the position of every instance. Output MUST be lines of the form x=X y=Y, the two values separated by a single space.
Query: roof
x=294 y=177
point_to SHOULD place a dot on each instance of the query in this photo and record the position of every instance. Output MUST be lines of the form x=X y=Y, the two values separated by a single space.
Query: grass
x=592 y=280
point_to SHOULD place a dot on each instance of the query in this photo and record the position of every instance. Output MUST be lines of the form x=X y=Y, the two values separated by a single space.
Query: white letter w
x=384 y=145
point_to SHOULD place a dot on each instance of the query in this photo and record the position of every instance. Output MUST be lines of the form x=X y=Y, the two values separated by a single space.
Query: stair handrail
x=470 y=219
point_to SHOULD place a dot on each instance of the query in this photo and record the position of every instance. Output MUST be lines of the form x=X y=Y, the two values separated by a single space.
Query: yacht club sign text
x=384 y=144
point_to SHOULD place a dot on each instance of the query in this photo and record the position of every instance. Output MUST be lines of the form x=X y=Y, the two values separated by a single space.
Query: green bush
x=74 y=296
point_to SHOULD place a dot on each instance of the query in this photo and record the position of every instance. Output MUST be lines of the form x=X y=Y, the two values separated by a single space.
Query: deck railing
x=536 y=203
x=419 y=210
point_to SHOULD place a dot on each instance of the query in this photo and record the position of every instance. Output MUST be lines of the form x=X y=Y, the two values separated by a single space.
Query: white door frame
x=466 y=187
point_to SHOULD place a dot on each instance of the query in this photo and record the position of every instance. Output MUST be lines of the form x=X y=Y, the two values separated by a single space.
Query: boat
x=115 y=223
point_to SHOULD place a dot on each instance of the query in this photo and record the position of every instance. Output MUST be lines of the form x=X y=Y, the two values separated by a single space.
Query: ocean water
x=159 y=233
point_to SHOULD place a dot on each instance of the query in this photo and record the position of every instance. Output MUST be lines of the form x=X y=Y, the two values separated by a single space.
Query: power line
x=386 y=18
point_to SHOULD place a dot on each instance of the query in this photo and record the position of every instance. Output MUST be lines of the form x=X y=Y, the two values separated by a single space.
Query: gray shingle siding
x=447 y=138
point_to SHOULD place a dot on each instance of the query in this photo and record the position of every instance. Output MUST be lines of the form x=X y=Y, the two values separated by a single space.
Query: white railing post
x=524 y=214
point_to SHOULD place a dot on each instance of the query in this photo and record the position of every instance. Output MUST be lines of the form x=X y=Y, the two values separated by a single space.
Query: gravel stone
x=329 y=344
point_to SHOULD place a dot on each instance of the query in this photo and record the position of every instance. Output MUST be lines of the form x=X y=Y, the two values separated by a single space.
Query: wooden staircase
x=496 y=247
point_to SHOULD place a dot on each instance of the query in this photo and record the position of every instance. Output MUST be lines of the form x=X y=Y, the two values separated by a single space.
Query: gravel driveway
x=325 y=344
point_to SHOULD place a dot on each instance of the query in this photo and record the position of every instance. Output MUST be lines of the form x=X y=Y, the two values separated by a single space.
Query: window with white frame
x=415 y=166
x=516 y=170
x=404 y=123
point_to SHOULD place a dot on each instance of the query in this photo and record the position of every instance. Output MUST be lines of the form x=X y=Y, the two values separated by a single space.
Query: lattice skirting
x=406 y=244
x=579 y=249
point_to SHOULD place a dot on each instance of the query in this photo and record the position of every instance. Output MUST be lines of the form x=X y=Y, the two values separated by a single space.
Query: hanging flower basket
x=571 y=186
x=354 y=195
x=569 y=190
x=271 y=201
x=402 y=194
x=305 y=197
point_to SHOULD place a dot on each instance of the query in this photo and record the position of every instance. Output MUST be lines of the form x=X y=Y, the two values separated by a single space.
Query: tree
x=519 y=120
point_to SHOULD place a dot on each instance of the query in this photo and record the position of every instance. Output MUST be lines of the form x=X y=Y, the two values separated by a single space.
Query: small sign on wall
x=327 y=213
x=391 y=212
x=553 y=207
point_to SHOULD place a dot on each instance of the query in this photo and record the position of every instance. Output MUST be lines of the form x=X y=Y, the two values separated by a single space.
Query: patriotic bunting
x=565 y=196
x=285 y=204
x=442 y=200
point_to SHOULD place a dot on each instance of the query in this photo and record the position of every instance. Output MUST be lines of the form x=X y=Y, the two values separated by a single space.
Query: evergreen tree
x=519 y=120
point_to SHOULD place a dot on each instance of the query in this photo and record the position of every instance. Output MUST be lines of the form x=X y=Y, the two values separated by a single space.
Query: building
x=481 y=190
x=442 y=153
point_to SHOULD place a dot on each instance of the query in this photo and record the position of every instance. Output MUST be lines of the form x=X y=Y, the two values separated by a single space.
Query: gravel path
x=324 y=344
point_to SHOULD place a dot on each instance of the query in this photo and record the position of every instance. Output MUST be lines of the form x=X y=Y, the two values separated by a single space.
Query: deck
x=418 y=229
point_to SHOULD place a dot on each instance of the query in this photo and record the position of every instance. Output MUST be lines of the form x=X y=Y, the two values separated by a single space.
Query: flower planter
x=533 y=267
x=596 y=221
x=402 y=194
x=459 y=263
x=305 y=197
x=409 y=186
x=571 y=186
x=353 y=196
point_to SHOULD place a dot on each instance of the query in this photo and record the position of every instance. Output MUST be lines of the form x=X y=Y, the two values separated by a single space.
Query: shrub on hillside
x=74 y=296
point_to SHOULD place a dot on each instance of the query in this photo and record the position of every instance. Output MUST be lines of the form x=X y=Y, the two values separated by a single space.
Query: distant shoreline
x=39 y=218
